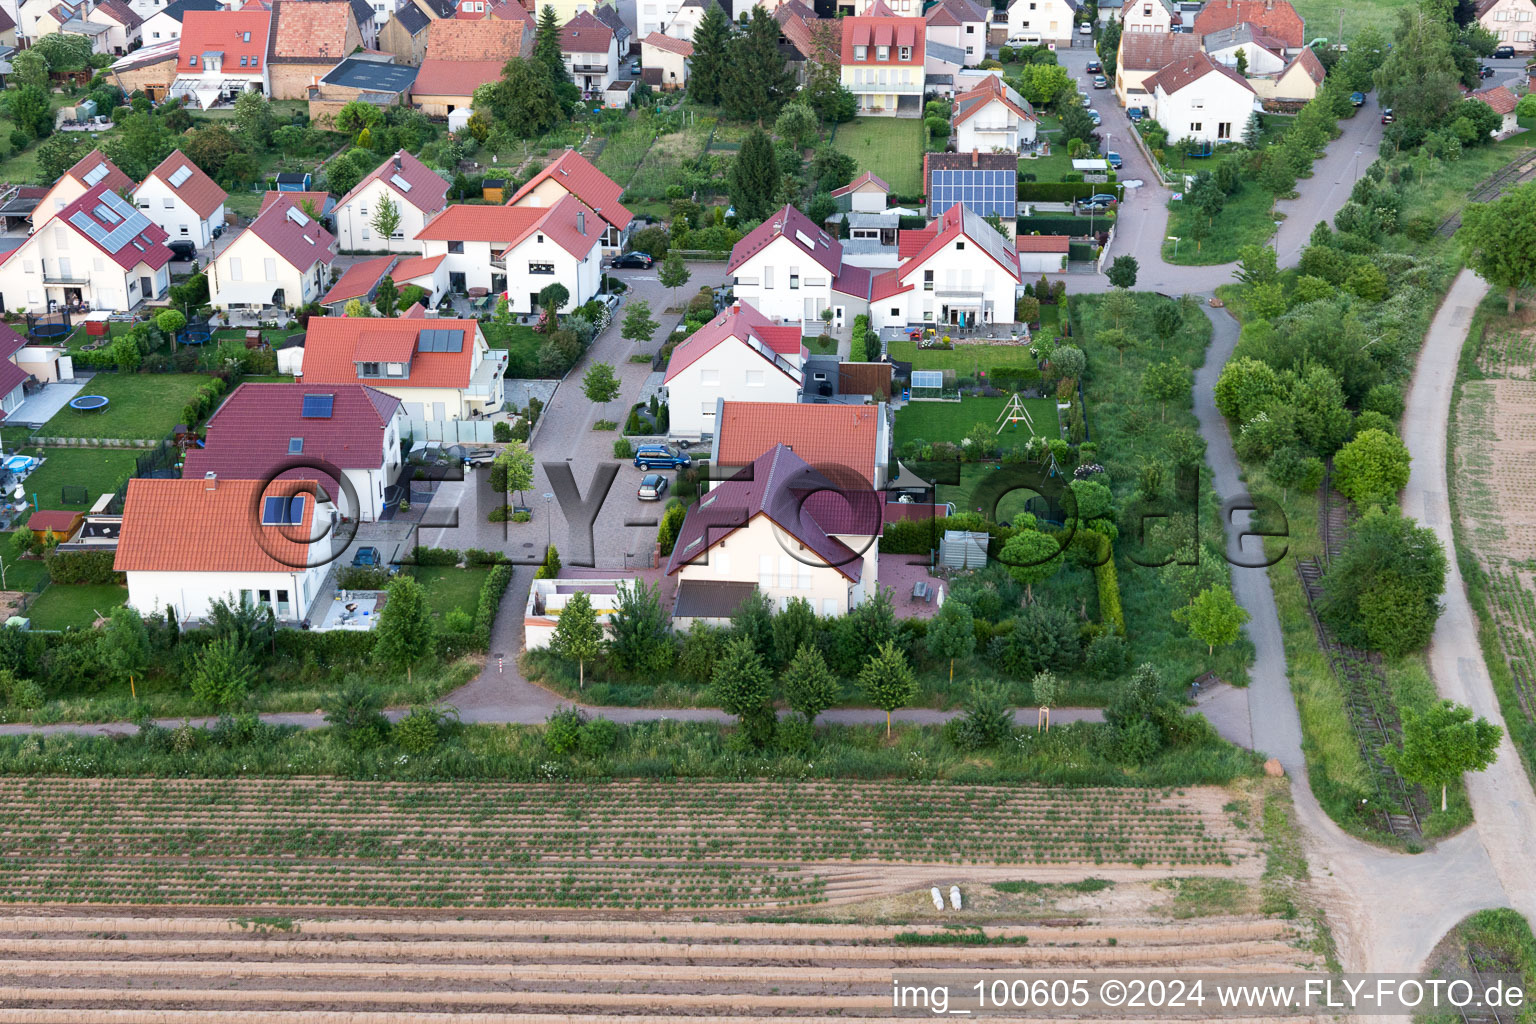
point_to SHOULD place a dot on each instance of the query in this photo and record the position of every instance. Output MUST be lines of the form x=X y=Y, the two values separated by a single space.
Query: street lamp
x=1175 y=240
x=548 y=540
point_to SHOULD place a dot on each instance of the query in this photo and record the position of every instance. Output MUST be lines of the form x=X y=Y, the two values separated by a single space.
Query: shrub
x=562 y=731
x=475 y=556
x=671 y=523
x=598 y=737
x=353 y=711
x=421 y=555
x=82 y=567
x=1107 y=655
x=502 y=431
x=623 y=449
x=419 y=731
x=987 y=721
x=222 y=674
x=362 y=578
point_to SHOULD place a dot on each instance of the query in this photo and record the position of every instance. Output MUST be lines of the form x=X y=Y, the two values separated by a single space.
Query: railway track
x=1481 y=1015
x=1492 y=187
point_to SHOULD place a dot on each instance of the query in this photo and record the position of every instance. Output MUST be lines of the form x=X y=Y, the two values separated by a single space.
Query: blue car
x=1113 y=159
x=1136 y=113
x=660 y=456
x=1357 y=99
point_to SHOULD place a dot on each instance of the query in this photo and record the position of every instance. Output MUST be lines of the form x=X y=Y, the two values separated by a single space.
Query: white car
x=610 y=300
x=1085 y=29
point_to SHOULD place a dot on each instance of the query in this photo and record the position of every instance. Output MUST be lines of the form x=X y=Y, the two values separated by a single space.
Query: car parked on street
x=1093 y=115
x=653 y=487
x=1386 y=115
x=1094 y=67
x=1503 y=52
x=1113 y=159
x=636 y=260
x=1102 y=201
x=1100 y=82
x=367 y=558
x=1357 y=99
x=1087 y=100
x=661 y=456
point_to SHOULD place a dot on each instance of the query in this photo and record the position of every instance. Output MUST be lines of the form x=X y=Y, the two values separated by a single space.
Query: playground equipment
x=1014 y=413
x=89 y=403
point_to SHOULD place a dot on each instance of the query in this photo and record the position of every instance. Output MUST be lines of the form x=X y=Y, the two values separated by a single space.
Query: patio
x=46 y=403
x=901 y=573
x=354 y=610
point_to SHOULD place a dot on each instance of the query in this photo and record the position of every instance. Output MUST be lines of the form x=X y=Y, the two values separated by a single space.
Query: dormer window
x=192 y=60
x=369 y=370
x=882 y=53
x=861 y=53
x=906 y=53
x=395 y=369
x=245 y=37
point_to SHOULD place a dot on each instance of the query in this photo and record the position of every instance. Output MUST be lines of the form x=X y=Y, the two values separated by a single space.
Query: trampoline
x=89 y=403
x=49 y=325
x=195 y=334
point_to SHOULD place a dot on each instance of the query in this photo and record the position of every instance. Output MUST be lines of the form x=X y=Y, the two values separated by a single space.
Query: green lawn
x=448 y=587
x=1322 y=16
x=951 y=421
x=965 y=360
x=889 y=147
x=817 y=347
x=99 y=470
x=23 y=573
x=964 y=496
x=1047 y=168
x=1244 y=221
x=77 y=605
x=144 y=406
x=522 y=344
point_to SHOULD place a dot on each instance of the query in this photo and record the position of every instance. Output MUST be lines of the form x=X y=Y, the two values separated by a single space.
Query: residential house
x=1263 y=54
x=852 y=444
x=647 y=16
x=992 y=118
x=957 y=270
x=405 y=35
x=89 y=171
x=308 y=39
x=961 y=24
x=739 y=356
x=1510 y=21
x=222 y=54
x=792 y=270
x=864 y=194
x=1502 y=102
x=573 y=174
x=371 y=77
x=150 y=69
x=187 y=543
x=417 y=192
x=664 y=61
x=683 y=23
x=73 y=20
x=361 y=280
x=124 y=26
x=283 y=259
x=182 y=200
x=1296 y=83
x=903 y=8
x=1149 y=16
x=367 y=24
x=12 y=376
x=776 y=528
x=591 y=52
x=164 y=22
x=519 y=250
x=942 y=65
x=1110 y=10
x=461 y=57
x=609 y=15
x=1143 y=53
x=307 y=431
x=1040 y=22
x=98 y=250
x=884 y=63
x=1275 y=18
x=801 y=32
x=1042 y=254
x=1199 y=99
x=440 y=369
x=988 y=183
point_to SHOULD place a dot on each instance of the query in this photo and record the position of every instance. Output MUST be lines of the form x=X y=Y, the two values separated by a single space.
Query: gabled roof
x=1242 y=34
x=608 y=14
x=915 y=248
x=585 y=34
x=309 y=30
x=182 y=526
x=874 y=30
x=362 y=13
x=799 y=229
x=798 y=23
x=413 y=267
x=867 y=178
x=955 y=13
x=661 y=42
x=569 y=224
x=769 y=341
x=194 y=188
x=454 y=77
x=108 y=222
x=291 y=233
x=145 y=56
x=322 y=200
x=235 y=34
x=822 y=435
x=333 y=345
x=578 y=176
x=1186 y=72
x=119 y=12
x=1276 y=17
x=412 y=19
x=991 y=89
x=486 y=40
x=358 y=280
x=1499 y=98
x=6 y=21
x=1042 y=243
x=776 y=486
x=1309 y=63
x=86 y=165
x=1148 y=51
x=410 y=180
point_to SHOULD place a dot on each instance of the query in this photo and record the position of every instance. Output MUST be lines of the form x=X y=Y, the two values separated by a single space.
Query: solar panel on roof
x=399 y=183
x=95 y=174
x=317 y=407
x=298 y=216
x=453 y=341
x=106 y=215
x=277 y=511
x=181 y=175
x=92 y=230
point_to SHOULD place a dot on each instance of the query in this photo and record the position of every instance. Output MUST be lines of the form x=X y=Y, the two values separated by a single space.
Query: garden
x=891 y=148
x=944 y=420
x=91 y=472
x=142 y=407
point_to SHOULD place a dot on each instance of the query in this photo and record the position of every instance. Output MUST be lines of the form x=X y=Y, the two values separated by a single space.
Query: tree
x=809 y=686
x=1265 y=301
x=1291 y=466
x=65 y=52
x=404 y=630
x=1495 y=240
x=600 y=384
x=29 y=67
x=673 y=274
x=1383 y=590
x=126 y=643
x=357 y=117
x=641 y=630
x=1043 y=84
x=823 y=89
x=523 y=98
x=1118 y=339
x=1213 y=617
x=757 y=82
x=170 y=321
x=793 y=628
x=31 y=111
x=253 y=119
x=142 y=141
x=742 y=686
x=289 y=138
x=512 y=470
x=1441 y=743
x=796 y=124
x=1256 y=265
x=577 y=637
x=1245 y=387
x=638 y=325
x=1046 y=688
x=754 y=177
x=1241 y=60
x=222 y=674
x=1122 y=271
x=1372 y=468
x=1318 y=403
x=709 y=67
x=59 y=152
x=952 y=634
x=354 y=309
x=386 y=219
x=387 y=298
x=1109 y=46
x=546 y=46
x=1075 y=122
x=552 y=297
x=1166 y=321
x=1166 y=382
x=887 y=680
x=1031 y=557
x=1418 y=78
x=1118 y=306
x=1206 y=196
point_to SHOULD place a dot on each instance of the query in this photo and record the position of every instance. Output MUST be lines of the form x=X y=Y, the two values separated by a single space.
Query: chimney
x=210 y=481
x=975 y=157
x=397 y=159
x=581 y=222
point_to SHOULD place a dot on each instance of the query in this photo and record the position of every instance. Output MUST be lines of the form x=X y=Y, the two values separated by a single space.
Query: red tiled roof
x=1148 y=51
x=661 y=42
x=358 y=280
x=10 y=342
x=1041 y=243
x=120 y=12
x=822 y=435
x=585 y=34
x=1309 y=62
x=1186 y=72
x=427 y=191
x=739 y=323
x=114 y=180
x=493 y=40
x=223 y=32
x=413 y=267
x=578 y=176
x=872 y=31
x=333 y=345
x=62 y=523
x=887 y=283
x=955 y=13
x=867 y=177
x=991 y=89
x=462 y=222
x=788 y=222
x=779 y=486
x=312 y=29
x=852 y=280
x=147 y=247
x=1276 y=17
x=1500 y=99
x=454 y=77
x=799 y=24
x=911 y=241
x=387 y=344
x=300 y=244
x=198 y=191
x=182 y=526
x=960 y=220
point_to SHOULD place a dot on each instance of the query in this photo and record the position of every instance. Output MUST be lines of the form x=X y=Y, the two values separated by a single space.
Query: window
x=765 y=570
x=707 y=410
x=255 y=61
x=192 y=60
x=1224 y=129
x=538 y=239
x=755 y=379
x=282 y=603
x=861 y=53
x=456 y=247
x=786 y=571
x=28 y=267
x=295 y=445
x=709 y=378
x=370 y=369
x=959 y=245
x=1522 y=37
x=927 y=280
x=184 y=231
x=906 y=53
x=245 y=61
x=235 y=270
x=1194 y=126
x=245 y=37
x=98 y=264
x=363 y=210
x=767 y=277
x=365 y=234
x=794 y=280
x=882 y=53
x=394 y=369
x=264 y=596
x=895 y=311
x=143 y=204
x=270 y=267
x=970 y=30
x=247 y=598
x=541 y=268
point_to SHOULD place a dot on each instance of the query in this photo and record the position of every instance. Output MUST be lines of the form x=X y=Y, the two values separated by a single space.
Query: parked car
x=1100 y=82
x=1136 y=113
x=610 y=300
x=1093 y=115
x=1113 y=159
x=1094 y=67
x=1102 y=201
x=1085 y=29
x=1386 y=115
x=1087 y=100
x=1484 y=71
x=478 y=456
x=634 y=67
x=637 y=260
x=1357 y=99
x=182 y=248
x=1503 y=52
x=367 y=558
x=653 y=487
x=660 y=456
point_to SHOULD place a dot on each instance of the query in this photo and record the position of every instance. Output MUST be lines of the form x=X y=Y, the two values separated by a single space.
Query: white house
x=664 y=61
x=1036 y=22
x=739 y=356
x=283 y=259
x=993 y=118
x=182 y=200
x=961 y=271
x=961 y=24
x=311 y=431
x=13 y=375
x=686 y=20
x=440 y=369
x=162 y=21
x=1264 y=54
x=865 y=194
x=790 y=270
x=190 y=542
x=98 y=250
x=123 y=25
x=1148 y=16
x=89 y=171
x=1510 y=21
x=417 y=192
x=1200 y=99
x=591 y=52
x=574 y=175
x=519 y=250
x=1502 y=102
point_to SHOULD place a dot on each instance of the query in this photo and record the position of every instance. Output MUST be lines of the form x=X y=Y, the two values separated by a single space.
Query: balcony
x=886 y=89
x=486 y=379
x=72 y=278
x=959 y=296
x=590 y=69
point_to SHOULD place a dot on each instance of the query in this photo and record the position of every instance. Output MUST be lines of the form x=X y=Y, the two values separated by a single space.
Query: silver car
x=653 y=487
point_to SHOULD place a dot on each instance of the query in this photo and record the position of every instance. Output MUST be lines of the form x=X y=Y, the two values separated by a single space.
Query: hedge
x=1066 y=191
x=82 y=567
x=1014 y=377
x=1108 y=581
x=1077 y=227
x=858 y=348
x=434 y=556
x=329 y=648
x=491 y=592
x=921 y=536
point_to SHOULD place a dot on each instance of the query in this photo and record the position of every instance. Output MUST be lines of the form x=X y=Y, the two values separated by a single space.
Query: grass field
x=99 y=470
x=1047 y=168
x=75 y=606
x=144 y=406
x=1322 y=17
x=448 y=587
x=950 y=421
x=1244 y=221
x=23 y=573
x=890 y=147
x=965 y=360
x=522 y=345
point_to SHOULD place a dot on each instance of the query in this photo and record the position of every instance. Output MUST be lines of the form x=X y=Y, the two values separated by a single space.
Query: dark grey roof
x=179 y=9
x=444 y=8
x=710 y=599
x=412 y=19
x=362 y=10
x=609 y=15
x=949 y=54
x=372 y=75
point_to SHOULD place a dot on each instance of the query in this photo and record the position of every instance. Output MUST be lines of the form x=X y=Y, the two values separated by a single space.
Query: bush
x=1107 y=655
x=598 y=737
x=562 y=731
x=419 y=731
x=501 y=430
x=354 y=712
x=987 y=721
x=362 y=578
x=623 y=449
x=475 y=556
x=434 y=556
x=82 y=567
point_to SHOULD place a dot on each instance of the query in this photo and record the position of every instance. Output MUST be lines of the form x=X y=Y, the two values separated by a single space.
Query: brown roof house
x=1142 y=53
x=308 y=39
x=464 y=55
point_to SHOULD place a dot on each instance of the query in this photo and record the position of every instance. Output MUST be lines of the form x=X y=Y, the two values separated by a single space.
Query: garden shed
x=961 y=549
